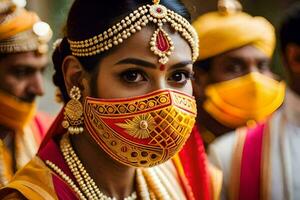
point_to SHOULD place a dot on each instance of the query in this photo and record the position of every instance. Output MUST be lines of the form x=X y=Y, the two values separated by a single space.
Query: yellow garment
x=6 y=163
x=22 y=30
x=35 y=181
x=236 y=102
x=25 y=146
x=219 y=33
x=23 y=21
x=15 y=113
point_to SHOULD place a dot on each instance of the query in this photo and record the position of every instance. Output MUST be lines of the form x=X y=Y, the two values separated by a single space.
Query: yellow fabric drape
x=15 y=113
x=24 y=20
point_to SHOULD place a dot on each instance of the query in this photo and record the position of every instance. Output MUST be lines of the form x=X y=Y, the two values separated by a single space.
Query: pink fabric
x=51 y=152
x=251 y=164
x=42 y=121
x=54 y=130
x=63 y=191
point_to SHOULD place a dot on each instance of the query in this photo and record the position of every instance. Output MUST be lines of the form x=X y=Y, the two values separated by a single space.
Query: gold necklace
x=149 y=184
x=87 y=187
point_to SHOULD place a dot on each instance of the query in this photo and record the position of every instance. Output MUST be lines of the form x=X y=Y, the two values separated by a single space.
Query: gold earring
x=73 y=115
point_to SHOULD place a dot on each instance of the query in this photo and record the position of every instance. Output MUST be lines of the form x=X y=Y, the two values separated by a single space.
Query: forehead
x=27 y=59
x=245 y=53
x=138 y=45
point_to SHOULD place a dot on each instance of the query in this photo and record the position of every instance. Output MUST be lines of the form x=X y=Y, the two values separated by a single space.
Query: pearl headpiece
x=160 y=43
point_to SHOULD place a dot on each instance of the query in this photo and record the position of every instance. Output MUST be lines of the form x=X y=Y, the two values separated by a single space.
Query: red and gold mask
x=142 y=131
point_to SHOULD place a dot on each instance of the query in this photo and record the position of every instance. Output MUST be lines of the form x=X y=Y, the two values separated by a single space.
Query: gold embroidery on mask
x=140 y=126
x=144 y=131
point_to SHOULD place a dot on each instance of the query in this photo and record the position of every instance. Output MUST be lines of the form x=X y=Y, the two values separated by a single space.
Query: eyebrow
x=136 y=61
x=182 y=64
x=147 y=64
x=242 y=59
x=27 y=66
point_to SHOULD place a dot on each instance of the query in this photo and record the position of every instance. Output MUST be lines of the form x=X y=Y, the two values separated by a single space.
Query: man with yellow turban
x=23 y=58
x=233 y=83
x=262 y=162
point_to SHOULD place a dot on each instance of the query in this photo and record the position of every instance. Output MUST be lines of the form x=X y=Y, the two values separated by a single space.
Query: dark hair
x=88 y=18
x=290 y=27
x=203 y=64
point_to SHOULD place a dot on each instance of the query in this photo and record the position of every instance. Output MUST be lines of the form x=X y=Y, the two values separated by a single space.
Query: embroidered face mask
x=243 y=100
x=142 y=131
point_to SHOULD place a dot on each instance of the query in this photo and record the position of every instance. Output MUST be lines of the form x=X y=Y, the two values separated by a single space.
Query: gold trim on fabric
x=235 y=171
x=216 y=177
x=39 y=177
x=266 y=164
x=35 y=188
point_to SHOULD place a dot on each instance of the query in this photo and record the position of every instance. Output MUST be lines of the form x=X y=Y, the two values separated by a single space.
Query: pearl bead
x=137 y=19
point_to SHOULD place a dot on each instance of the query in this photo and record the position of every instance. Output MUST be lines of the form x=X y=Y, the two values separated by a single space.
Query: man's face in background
x=21 y=75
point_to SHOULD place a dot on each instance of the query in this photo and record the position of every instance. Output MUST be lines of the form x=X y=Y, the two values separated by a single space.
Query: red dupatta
x=192 y=166
x=49 y=150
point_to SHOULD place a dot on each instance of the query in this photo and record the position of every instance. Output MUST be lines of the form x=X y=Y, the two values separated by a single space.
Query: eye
x=22 y=72
x=263 y=66
x=180 y=77
x=234 y=68
x=132 y=76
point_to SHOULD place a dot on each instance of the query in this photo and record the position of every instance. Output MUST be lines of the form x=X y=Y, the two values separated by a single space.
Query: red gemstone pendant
x=162 y=42
x=162 y=46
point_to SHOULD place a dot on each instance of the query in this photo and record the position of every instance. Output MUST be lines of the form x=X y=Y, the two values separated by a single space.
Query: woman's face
x=132 y=68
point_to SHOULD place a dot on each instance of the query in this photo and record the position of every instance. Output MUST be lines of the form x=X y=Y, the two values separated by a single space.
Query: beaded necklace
x=150 y=183
x=87 y=187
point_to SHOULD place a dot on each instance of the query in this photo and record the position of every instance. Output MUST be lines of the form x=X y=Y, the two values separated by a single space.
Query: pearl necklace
x=149 y=184
x=87 y=187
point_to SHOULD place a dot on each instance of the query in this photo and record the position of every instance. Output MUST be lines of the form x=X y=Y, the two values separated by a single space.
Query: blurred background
x=55 y=12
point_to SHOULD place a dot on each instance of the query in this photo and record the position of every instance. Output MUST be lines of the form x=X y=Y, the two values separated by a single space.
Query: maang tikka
x=73 y=114
x=160 y=42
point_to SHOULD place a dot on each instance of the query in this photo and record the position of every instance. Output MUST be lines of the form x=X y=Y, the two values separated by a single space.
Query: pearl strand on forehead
x=134 y=22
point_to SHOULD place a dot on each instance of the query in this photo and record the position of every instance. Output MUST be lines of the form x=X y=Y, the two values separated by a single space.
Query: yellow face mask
x=15 y=113
x=242 y=100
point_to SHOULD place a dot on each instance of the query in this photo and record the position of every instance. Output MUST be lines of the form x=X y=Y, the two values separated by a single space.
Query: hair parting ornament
x=160 y=43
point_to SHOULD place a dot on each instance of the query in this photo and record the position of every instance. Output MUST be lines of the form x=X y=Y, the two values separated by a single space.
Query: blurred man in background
x=264 y=162
x=234 y=85
x=23 y=59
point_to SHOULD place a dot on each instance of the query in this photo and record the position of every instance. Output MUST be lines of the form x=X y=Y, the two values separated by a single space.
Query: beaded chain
x=87 y=190
x=160 y=43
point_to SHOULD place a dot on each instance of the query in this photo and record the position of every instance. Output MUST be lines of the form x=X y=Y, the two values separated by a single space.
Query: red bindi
x=162 y=67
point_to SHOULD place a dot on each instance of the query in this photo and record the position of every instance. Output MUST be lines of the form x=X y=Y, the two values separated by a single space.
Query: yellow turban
x=219 y=33
x=21 y=30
